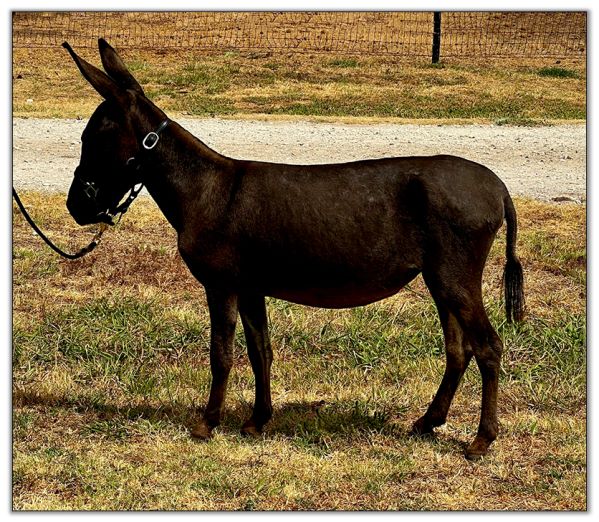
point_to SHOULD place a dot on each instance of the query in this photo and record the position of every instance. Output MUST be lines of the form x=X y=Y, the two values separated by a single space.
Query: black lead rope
x=85 y=250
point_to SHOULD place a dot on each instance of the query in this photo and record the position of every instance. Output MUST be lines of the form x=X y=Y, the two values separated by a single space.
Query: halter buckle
x=150 y=141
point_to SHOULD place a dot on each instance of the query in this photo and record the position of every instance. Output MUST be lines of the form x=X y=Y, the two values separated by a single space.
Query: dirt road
x=547 y=163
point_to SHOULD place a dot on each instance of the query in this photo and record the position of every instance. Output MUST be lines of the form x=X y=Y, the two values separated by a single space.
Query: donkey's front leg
x=252 y=310
x=223 y=317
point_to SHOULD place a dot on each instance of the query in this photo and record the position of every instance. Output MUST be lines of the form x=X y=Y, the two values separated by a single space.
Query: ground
x=547 y=163
x=111 y=368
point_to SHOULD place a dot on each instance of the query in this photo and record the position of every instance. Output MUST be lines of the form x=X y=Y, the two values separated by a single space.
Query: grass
x=47 y=84
x=557 y=72
x=111 y=365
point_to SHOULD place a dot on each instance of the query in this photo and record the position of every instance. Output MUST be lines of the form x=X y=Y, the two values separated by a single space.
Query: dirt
x=545 y=163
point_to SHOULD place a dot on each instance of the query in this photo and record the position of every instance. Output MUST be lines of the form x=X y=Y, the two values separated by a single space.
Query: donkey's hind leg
x=487 y=347
x=455 y=282
x=458 y=354
x=478 y=338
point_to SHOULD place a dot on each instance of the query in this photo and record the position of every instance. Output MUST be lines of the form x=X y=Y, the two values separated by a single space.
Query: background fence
x=463 y=34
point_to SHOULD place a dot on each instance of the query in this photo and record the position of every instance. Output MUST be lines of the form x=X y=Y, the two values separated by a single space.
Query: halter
x=91 y=191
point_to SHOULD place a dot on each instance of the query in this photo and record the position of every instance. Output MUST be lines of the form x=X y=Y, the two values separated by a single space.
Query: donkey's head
x=110 y=139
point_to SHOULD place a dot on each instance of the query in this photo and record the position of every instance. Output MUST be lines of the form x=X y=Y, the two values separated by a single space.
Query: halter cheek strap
x=148 y=143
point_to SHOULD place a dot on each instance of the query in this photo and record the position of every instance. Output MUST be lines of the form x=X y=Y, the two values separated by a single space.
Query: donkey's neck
x=188 y=180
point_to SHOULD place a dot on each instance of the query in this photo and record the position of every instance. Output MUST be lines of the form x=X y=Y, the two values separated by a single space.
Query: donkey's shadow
x=313 y=423
x=308 y=422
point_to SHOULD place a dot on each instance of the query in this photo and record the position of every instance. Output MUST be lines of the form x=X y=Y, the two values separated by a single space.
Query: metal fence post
x=436 y=36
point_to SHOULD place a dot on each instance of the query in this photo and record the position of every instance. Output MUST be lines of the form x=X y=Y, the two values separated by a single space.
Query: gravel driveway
x=547 y=163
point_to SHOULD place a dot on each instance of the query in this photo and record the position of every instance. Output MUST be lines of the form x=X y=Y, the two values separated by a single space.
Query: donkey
x=333 y=235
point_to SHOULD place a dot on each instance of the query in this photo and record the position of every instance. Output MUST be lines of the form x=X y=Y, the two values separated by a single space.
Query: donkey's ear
x=115 y=67
x=99 y=80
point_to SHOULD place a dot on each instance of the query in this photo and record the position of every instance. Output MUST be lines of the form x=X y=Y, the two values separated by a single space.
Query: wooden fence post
x=436 y=36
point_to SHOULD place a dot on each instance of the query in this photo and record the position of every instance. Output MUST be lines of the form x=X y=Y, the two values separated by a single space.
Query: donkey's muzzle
x=82 y=215
x=82 y=203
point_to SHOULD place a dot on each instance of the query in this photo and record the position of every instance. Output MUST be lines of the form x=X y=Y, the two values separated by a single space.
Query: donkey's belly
x=346 y=296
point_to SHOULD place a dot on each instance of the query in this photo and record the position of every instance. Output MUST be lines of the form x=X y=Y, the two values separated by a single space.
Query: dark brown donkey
x=335 y=236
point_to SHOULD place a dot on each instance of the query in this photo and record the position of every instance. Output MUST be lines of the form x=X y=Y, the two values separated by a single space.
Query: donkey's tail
x=512 y=274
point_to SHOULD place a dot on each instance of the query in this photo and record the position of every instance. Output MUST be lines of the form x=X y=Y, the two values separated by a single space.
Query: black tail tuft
x=514 y=290
x=513 y=278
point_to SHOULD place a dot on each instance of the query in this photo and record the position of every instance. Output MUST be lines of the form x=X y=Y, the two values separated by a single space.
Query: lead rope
x=85 y=250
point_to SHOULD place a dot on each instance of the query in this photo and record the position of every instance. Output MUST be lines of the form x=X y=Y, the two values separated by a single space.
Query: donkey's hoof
x=249 y=429
x=473 y=457
x=422 y=429
x=201 y=431
x=477 y=450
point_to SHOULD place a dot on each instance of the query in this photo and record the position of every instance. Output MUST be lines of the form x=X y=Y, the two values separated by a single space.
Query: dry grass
x=47 y=84
x=110 y=363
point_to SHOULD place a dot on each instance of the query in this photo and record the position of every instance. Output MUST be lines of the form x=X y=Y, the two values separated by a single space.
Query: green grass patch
x=409 y=104
x=109 y=332
x=198 y=105
x=344 y=62
x=557 y=72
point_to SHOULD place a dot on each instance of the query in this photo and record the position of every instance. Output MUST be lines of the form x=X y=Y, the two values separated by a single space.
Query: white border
x=304 y=5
